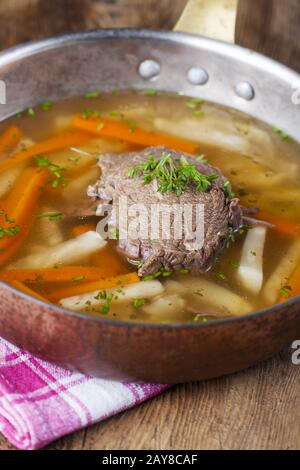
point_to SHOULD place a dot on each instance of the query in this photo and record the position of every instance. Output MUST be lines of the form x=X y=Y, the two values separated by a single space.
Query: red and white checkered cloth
x=40 y=402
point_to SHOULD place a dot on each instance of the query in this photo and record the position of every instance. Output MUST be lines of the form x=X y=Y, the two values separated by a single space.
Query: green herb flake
x=253 y=253
x=73 y=159
x=285 y=137
x=200 y=318
x=78 y=278
x=150 y=92
x=172 y=175
x=228 y=191
x=92 y=94
x=194 y=103
x=50 y=215
x=100 y=126
x=31 y=112
x=89 y=113
x=46 y=105
x=137 y=303
x=221 y=276
x=57 y=172
x=233 y=264
x=285 y=292
x=184 y=271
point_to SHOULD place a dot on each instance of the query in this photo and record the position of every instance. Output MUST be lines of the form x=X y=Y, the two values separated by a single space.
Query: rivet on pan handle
x=212 y=18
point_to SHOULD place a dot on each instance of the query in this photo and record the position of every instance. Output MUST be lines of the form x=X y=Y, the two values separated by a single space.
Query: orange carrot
x=20 y=286
x=281 y=225
x=17 y=209
x=110 y=128
x=108 y=257
x=61 y=274
x=10 y=139
x=105 y=283
x=80 y=229
x=58 y=142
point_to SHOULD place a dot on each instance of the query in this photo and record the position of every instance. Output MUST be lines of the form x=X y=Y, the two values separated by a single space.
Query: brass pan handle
x=212 y=18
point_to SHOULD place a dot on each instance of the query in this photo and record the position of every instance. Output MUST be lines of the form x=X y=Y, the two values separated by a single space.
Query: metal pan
x=220 y=72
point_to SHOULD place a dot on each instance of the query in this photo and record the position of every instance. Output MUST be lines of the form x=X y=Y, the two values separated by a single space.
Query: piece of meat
x=221 y=214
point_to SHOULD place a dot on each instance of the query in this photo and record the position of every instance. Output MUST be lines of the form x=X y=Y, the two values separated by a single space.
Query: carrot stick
x=20 y=286
x=110 y=128
x=105 y=283
x=80 y=229
x=17 y=209
x=61 y=274
x=58 y=142
x=284 y=226
x=10 y=139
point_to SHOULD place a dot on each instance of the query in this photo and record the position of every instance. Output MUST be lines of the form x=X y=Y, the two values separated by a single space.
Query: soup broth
x=49 y=247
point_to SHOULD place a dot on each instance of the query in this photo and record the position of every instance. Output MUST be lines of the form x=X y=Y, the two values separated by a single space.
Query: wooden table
x=258 y=408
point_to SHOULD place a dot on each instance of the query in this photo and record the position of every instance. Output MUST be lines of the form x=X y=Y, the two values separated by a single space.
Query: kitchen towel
x=40 y=402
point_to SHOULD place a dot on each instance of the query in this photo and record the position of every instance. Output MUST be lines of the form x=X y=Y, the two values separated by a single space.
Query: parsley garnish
x=56 y=171
x=12 y=229
x=78 y=278
x=194 y=103
x=92 y=94
x=285 y=292
x=50 y=215
x=46 y=105
x=170 y=175
x=285 y=137
x=137 y=303
x=31 y=112
x=150 y=92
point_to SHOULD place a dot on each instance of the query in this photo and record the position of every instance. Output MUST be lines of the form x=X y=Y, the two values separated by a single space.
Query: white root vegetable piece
x=281 y=276
x=48 y=231
x=210 y=129
x=90 y=301
x=250 y=271
x=166 y=305
x=70 y=251
x=205 y=292
x=78 y=185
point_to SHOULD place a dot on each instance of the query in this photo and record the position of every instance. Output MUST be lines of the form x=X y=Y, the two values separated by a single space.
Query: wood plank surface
x=255 y=409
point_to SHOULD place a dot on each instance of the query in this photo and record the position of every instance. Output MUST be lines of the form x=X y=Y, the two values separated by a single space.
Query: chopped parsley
x=221 y=276
x=285 y=292
x=57 y=172
x=228 y=191
x=46 y=105
x=11 y=230
x=200 y=318
x=172 y=175
x=89 y=113
x=285 y=137
x=162 y=272
x=92 y=94
x=137 y=303
x=233 y=264
x=50 y=215
x=184 y=271
x=78 y=278
x=150 y=92
x=31 y=112
x=194 y=103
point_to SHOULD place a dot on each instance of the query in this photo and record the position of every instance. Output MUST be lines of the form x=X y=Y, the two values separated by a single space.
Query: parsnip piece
x=211 y=129
x=90 y=301
x=78 y=185
x=72 y=251
x=48 y=231
x=166 y=305
x=250 y=271
x=205 y=292
x=280 y=277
